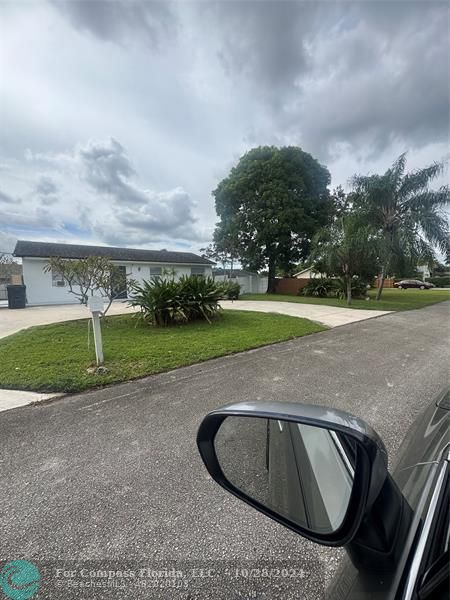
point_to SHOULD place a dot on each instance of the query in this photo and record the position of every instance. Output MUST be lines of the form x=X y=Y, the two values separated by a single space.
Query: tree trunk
x=349 y=289
x=271 y=277
x=381 y=279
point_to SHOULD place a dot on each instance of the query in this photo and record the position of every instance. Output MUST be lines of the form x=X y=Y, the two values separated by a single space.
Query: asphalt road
x=112 y=479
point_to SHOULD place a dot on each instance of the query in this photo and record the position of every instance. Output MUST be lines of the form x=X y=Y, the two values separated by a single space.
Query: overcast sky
x=119 y=118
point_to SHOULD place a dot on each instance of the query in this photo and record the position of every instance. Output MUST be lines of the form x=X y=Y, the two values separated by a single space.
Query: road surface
x=114 y=474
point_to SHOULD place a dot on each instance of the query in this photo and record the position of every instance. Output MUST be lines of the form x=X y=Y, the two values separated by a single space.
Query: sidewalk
x=14 y=398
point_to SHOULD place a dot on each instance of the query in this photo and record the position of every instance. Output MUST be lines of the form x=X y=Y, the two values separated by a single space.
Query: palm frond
x=395 y=173
x=435 y=227
x=429 y=199
x=418 y=180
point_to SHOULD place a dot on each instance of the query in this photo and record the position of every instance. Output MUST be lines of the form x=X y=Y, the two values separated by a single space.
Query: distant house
x=308 y=273
x=424 y=271
x=50 y=288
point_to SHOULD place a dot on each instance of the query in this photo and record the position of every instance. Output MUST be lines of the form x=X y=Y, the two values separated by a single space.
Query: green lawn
x=391 y=299
x=56 y=358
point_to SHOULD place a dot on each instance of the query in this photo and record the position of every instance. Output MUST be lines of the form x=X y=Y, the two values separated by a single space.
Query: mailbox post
x=96 y=306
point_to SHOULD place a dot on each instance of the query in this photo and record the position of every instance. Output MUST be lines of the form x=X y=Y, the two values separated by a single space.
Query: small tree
x=85 y=276
x=346 y=249
x=8 y=266
x=223 y=252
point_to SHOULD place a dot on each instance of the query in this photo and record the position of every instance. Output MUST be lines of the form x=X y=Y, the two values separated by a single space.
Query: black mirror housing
x=371 y=460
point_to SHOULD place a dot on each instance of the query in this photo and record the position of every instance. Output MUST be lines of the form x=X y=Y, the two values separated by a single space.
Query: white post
x=97 y=337
x=96 y=306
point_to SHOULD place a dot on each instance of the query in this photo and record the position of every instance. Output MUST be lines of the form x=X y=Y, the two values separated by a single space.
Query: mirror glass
x=302 y=472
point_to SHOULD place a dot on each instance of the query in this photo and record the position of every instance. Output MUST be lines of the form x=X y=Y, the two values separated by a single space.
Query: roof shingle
x=26 y=248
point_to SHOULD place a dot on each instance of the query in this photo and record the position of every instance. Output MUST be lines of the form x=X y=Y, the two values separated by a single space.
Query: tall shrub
x=165 y=302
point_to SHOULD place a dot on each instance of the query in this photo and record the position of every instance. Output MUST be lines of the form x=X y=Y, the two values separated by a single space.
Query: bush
x=439 y=281
x=166 y=302
x=231 y=290
x=320 y=287
x=359 y=288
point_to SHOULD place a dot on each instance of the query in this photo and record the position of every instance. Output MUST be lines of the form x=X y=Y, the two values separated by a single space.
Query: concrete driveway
x=331 y=316
x=112 y=478
x=12 y=321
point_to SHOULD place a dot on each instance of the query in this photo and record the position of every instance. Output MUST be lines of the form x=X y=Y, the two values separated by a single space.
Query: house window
x=155 y=271
x=198 y=271
x=57 y=279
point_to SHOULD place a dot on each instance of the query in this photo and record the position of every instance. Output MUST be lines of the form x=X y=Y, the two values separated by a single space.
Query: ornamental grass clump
x=164 y=302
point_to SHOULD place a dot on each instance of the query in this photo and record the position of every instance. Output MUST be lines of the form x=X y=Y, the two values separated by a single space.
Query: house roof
x=303 y=271
x=25 y=248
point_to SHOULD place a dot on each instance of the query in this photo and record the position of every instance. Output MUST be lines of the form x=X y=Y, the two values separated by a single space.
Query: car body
x=413 y=283
x=396 y=530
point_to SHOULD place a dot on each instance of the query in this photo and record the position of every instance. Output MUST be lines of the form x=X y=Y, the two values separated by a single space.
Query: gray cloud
x=46 y=186
x=123 y=211
x=121 y=21
x=46 y=190
x=163 y=214
x=180 y=90
x=358 y=73
x=36 y=217
x=266 y=42
x=7 y=198
x=106 y=167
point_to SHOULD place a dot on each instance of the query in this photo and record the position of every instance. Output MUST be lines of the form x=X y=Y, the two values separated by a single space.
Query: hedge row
x=439 y=281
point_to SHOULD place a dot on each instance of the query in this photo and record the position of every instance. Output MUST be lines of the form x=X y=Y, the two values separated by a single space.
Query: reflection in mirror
x=302 y=472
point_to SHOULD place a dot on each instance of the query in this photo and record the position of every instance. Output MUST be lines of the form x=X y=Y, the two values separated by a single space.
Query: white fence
x=250 y=284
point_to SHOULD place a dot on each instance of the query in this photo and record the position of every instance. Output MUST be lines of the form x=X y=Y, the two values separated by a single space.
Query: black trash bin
x=16 y=296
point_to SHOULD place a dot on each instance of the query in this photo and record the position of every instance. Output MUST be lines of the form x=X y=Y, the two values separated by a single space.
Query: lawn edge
x=163 y=371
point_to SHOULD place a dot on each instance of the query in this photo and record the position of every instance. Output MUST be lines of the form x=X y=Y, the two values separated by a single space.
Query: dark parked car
x=413 y=283
x=323 y=473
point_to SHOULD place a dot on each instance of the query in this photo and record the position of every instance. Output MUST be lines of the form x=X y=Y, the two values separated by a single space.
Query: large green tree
x=407 y=215
x=270 y=206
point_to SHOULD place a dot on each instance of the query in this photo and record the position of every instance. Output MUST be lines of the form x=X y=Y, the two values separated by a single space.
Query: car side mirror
x=313 y=469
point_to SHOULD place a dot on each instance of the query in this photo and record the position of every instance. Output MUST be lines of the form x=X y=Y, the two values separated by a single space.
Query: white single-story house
x=308 y=274
x=251 y=283
x=50 y=288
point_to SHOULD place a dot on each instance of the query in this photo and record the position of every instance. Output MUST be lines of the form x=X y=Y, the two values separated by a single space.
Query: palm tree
x=345 y=249
x=407 y=215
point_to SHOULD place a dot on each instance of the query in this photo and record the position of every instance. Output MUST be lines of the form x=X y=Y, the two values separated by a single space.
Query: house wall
x=39 y=284
x=41 y=291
